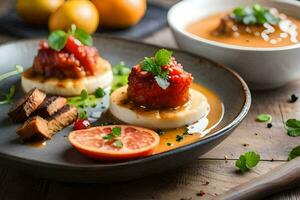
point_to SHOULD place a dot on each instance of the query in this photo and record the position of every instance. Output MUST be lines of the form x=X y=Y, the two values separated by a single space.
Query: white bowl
x=262 y=68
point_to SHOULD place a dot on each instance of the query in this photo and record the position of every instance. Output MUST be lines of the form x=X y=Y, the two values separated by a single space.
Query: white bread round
x=196 y=109
x=68 y=86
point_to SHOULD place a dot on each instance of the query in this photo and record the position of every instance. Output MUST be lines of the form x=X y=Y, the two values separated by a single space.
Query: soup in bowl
x=260 y=40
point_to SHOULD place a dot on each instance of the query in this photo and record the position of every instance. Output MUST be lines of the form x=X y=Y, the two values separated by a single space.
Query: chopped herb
x=159 y=131
x=118 y=144
x=121 y=73
x=179 y=138
x=82 y=114
x=294 y=98
x=169 y=144
x=293 y=127
x=269 y=125
x=57 y=39
x=247 y=161
x=84 y=95
x=153 y=65
x=108 y=137
x=264 y=118
x=8 y=96
x=294 y=153
x=254 y=15
x=99 y=93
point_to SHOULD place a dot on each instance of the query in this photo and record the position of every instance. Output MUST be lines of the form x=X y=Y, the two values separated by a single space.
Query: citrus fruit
x=116 y=142
x=82 y=13
x=37 y=11
x=120 y=13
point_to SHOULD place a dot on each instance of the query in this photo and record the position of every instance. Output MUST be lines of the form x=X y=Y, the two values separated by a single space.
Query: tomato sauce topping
x=74 y=61
x=143 y=89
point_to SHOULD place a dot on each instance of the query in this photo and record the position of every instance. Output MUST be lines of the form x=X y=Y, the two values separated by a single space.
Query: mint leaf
x=162 y=82
x=294 y=153
x=99 y=93
x=57 y=40
x=108 y=137
x=83 y=37
x=121 y=73
x=241 y=163
x=116 y=131
x=118 y=144
x=293 y=127
x=247 y=161
x=264 y=118
x=163 y=57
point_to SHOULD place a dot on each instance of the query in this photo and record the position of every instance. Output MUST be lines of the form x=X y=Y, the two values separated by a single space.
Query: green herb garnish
x=99 y=93
x=179 y=138
x=247 y=161
x=294 y=153
x=153 y=65
x=264 y=118
x=118 y=144
x=8 y=96
x=120 y=72
x=169 y=144
x=293 y=127
x=57 y=39
x=113 y=136
x=82 y=114
x=254 y=15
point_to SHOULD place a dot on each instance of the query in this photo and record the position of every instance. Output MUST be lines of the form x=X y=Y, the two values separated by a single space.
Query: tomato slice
x=136 y=142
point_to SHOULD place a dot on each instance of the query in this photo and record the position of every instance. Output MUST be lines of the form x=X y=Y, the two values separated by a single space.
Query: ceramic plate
x=59 y=161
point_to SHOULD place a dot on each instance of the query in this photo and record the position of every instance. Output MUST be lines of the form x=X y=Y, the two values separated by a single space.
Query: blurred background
x=134 y=19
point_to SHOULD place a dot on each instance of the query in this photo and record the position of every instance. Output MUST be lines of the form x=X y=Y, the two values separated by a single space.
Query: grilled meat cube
x=225 y=26
x=61 y=119
x=23 y=108
x=50 y=106
x=34 y=128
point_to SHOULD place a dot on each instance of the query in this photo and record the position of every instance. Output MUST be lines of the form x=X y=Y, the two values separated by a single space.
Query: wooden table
x=211 y=174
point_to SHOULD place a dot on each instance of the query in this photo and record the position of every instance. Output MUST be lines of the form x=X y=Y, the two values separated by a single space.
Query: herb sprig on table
x=293 y=127
x=8 y=96
x=254 y=15
x=57 y=39
x=247 y=161
x=154 y=65
x=294 y=153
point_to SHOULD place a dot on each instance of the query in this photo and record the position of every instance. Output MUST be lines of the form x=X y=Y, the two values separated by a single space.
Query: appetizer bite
x=42 y=116
x=66 y=64
x=251 y=26
x=158 y=95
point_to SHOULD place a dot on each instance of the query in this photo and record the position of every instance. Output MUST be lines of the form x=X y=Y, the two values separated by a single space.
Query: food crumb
x=255 y=133
x=294 y=98
x=226 y=159
x=206 y=183
x=269 y=125
x=246 y=145
x=201 y=193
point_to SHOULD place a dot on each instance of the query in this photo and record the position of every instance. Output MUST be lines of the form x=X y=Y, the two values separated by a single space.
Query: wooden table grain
x=205 y=178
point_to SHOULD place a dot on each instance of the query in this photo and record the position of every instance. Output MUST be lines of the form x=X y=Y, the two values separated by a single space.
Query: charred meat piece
x=61 y=119
x=225 y=26
x=50 y=106
x=23 y=108
x=34 y=128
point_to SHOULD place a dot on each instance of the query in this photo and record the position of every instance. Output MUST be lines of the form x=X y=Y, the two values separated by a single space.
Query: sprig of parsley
x=154 y=65
x=8 y=96
x=254 y=15
x=57 y=39
x=113 y=136
x=293 y=127
x=247 y=161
